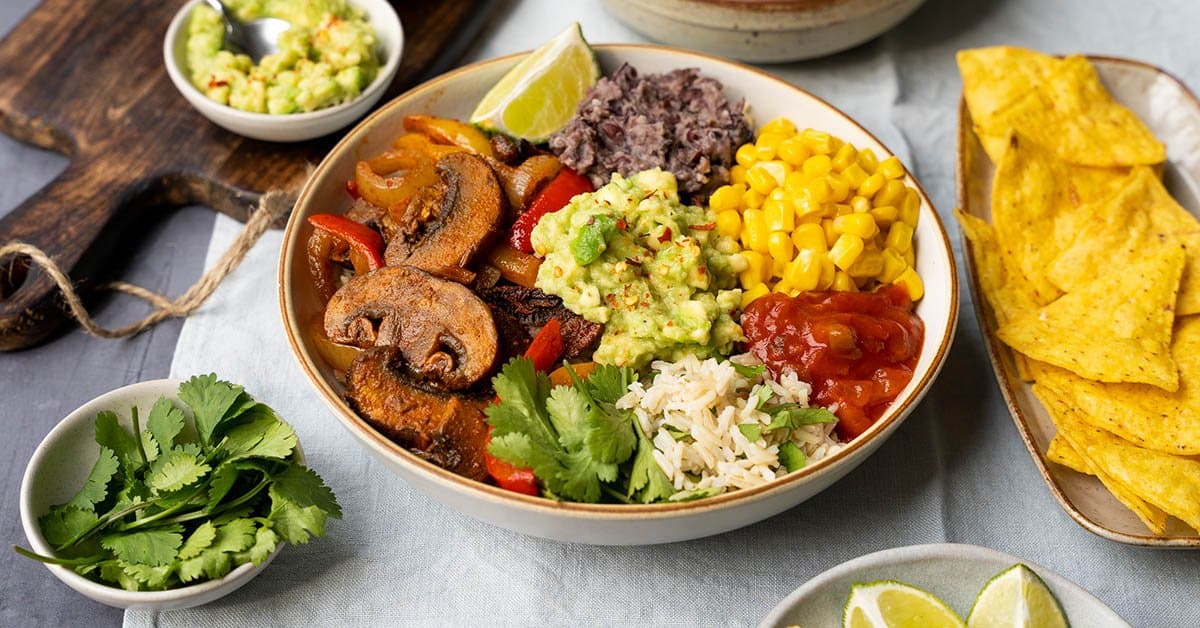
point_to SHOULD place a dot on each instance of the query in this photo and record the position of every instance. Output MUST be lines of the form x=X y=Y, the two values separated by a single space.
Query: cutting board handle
x=66 y=219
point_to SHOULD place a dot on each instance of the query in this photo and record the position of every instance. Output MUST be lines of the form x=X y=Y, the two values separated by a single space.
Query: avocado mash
x=653 y=270
x=327 y=58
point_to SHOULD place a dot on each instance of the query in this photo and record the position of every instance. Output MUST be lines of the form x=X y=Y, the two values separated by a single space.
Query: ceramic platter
x=1172 y=112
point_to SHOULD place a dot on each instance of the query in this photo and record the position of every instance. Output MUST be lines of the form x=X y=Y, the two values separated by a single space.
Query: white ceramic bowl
x=763 y=31
x=951 y=571
x=293 y=127
x=455 y=95
x=59 y=466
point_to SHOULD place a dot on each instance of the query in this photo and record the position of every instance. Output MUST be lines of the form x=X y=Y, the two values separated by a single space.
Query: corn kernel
x=764 y=153
x=819 y=190
x=828 y=272
x=781 y=195
x=776 y=168
x=885 y=216
x=750 y=294
x=724 y=198
x=855 y=175
x=892 y=168
x=779 y=125
x=845 y=250
x=860 y=204
x=867 y=160
x=760 y=180
x=871 y=185
x=899 y=237
x=769 y=139
x=843 y=283
x=752 y=199
x=810 y=237
x=756 y=269
x=817 y=166
x=910 y=208
x=892 y=193
x=778 y=215
x=746 y=155
x=831 y=236
x=737 y=174
x=804 y=272
x=729 y=224
x=794 y=151
x=795 y=182
x=910 y=258
x=868 y=265
x=777 y=267
x=840 y=209
x=754 y=230
x=779 y=245
x=820 y=142
x=844 y=157
x=892 y=266
x=912 y=282
x=861 y=225
x=839 y=188
x=781 y=287
x=805 y=207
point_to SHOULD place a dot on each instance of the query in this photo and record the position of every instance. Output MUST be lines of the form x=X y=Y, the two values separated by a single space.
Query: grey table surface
x=40 y=385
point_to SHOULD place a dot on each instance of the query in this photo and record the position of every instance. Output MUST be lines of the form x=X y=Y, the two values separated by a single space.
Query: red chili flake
x=705 y=227
x=621 y=224
x=666 y=235
x=215 y=83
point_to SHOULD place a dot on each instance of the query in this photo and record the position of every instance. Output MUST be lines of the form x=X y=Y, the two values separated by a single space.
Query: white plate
x=953 y=572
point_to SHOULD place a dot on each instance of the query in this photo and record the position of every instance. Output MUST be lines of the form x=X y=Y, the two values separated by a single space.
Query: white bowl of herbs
x=188 y=511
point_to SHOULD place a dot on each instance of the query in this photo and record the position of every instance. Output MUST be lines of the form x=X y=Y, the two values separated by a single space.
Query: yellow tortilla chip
x=1059 y=451
x=1144 y=415
x=1115 y=329
x=1117 y=231
x=1073 y=115
x=1074 y=432
x=996 y=77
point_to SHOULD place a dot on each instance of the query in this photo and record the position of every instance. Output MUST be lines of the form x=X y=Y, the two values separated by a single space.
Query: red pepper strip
x=544 y=352
x=360 y=237
x=557 y=193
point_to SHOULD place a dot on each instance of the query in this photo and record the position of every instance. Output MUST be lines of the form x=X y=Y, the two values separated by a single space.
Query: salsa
x=857 y=349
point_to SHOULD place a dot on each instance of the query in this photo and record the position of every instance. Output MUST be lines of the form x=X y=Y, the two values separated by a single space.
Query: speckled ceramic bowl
x=763 y=31
x=455 y=95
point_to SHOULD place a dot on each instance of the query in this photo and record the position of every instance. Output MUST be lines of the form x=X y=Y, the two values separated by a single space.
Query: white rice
x=707 y=400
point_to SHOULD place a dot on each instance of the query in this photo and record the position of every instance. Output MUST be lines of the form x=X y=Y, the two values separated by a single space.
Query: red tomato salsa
x=857 y=349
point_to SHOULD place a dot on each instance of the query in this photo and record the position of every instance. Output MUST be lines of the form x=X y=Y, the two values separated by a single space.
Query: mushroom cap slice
x=448 y=429
x=447 y=224
x=444 y=331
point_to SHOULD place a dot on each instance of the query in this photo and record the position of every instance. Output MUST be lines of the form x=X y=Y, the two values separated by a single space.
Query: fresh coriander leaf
x=647 y=481
x=154 y=547
x=578 y=422
x=752 y=431
x=294 y=523
x=258 y=432
x=568 y=410
x=235 y=536
x=518 y=449
x=522 y=391
x=761 y=394
x=112 y=572
x=153 y=578
x=211 y=401
x=303 y=487
x=200 y=539
x=747 y=371
x=696 y=493
x=237 y=513
x=678 y=434
x=265 y=542
x=220 y=483
x=95 y=488
x=581 y=476
x=110 y=434
x=208 y=564
x=64 y=523
x=801 y=415
x=165 y=423
x=609 y=383
x=791 y=456
x=175 y=470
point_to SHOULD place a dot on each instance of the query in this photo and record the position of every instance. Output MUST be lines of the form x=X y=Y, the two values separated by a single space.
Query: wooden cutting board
x=85 y=78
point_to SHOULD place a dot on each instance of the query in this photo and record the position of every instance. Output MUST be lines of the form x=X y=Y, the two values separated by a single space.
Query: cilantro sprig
x=181 y=502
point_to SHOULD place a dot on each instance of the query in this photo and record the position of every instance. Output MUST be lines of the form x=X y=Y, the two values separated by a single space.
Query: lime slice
x=891 y=604
x=1016 y=597
x=540 y=94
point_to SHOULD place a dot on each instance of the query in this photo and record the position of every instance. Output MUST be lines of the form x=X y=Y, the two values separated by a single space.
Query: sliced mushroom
x=449 y=223
x=445 y=332
x=449 y=430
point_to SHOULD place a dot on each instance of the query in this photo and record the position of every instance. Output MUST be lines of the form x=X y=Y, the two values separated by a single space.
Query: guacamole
x=327 y=58
x=653 y=270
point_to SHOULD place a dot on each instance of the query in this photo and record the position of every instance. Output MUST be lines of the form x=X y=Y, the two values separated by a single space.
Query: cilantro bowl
x=390 y=416
x=62 y=463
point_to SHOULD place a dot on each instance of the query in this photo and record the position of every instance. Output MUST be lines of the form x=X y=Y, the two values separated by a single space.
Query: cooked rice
x=707 y=400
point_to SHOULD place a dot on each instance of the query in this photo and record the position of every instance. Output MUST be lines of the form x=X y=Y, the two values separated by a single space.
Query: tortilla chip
x=994 y=78
x=1144 y=415
x=1059 y=451
x=1115 y=329
x=1075 y=433
x=1073 y=115
x=1120 y=230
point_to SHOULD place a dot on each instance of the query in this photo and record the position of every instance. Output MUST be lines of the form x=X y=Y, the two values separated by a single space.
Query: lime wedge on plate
x=540 y=94
x=1016 y=597
x=891 y=604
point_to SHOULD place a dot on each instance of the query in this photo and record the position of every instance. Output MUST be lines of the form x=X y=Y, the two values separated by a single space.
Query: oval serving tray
x=1172 y=112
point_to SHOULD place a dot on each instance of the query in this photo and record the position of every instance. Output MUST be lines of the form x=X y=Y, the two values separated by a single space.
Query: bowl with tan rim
x=455 y=95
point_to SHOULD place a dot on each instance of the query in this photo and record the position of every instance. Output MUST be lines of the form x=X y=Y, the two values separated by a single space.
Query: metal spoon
x=256 y=38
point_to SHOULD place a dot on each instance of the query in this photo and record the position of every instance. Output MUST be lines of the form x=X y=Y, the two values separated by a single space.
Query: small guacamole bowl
x=292 y=127
x=61 y=464
x=455 y=95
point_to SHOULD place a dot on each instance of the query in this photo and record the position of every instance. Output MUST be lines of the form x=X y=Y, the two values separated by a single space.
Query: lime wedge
x=540 y=94
x=891 y=604
x=1016 y=597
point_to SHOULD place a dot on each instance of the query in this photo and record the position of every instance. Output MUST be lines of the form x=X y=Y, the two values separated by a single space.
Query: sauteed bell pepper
x=557 y=193
x=544 y=352
x=366 y=245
